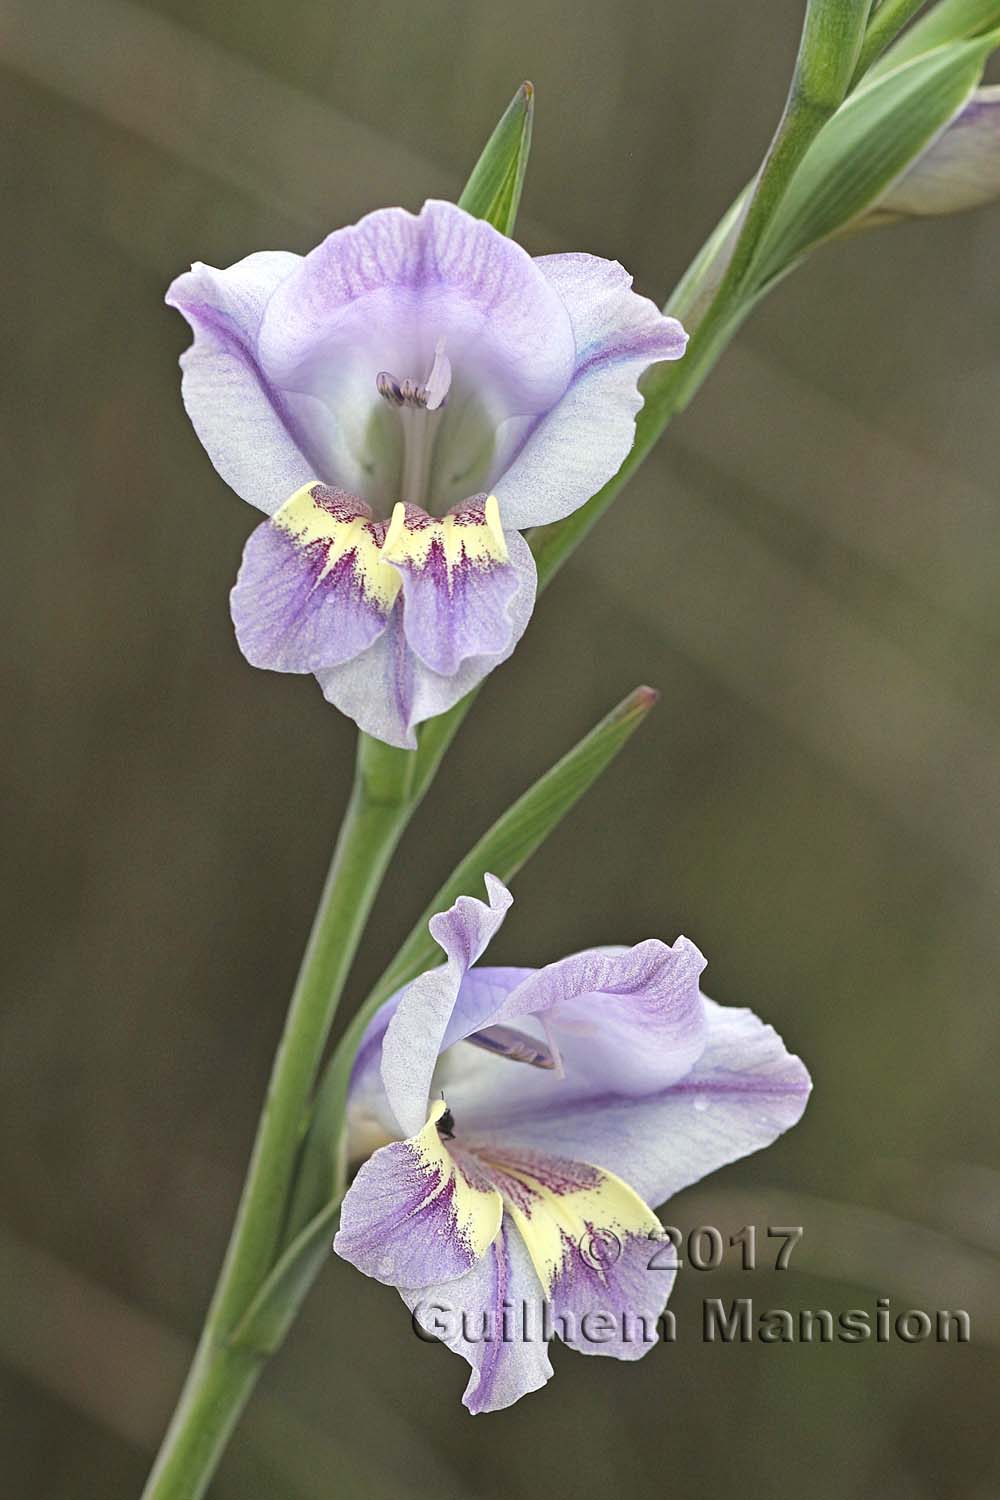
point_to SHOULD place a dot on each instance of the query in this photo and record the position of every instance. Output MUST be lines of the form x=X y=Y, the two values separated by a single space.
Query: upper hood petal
x=386 y=293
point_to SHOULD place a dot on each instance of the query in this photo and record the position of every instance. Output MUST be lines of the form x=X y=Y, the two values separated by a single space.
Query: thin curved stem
x=222 y=1376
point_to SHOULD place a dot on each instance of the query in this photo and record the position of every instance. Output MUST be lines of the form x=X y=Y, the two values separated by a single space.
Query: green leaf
x=870 y=141
x=502 y=851
x=493 y=192
x=266 y=1321
x=951 y=21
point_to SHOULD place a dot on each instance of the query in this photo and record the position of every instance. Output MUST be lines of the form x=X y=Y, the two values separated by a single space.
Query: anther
x=428 y=395
x=388 y=386
x=506 y=1041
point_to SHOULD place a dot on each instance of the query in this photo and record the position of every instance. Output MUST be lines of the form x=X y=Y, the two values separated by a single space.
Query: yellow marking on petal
x=491 y=510
x=597 y=1218
x=478 y=1211
x=341 y=531
x=474 y=537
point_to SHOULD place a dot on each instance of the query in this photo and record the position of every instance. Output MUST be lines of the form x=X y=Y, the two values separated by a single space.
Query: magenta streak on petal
x=501 y=1167
x=620 y=1286
x=402 y=666
x=399 y=1221
x=496 y=1346
x=293 y=612
x=608 y=354
x=455 y=609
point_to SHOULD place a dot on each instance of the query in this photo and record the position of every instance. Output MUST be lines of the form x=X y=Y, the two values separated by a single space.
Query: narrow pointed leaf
x=493 y=192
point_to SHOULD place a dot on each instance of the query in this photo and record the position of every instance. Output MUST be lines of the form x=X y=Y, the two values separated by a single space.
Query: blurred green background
x=807 y=570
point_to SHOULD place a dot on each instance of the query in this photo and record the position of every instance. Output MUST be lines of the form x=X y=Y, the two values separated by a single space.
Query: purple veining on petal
x=526 y=374
x=458 y=585
x=241 y=418
x=577 y=1161
x=557 y=1174
x=744 y=1091
x=297 y=605
x=224 y=330
x=381 y=295
x=642 y=1002
x=501 y=1305
x=401 y=1220
x=605 y=1283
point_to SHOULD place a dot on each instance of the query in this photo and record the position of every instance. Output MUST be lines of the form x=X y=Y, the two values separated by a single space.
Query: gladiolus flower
x=402 y=403
x=521 y=1121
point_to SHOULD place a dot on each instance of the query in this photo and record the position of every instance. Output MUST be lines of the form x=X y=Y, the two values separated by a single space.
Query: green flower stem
x=218 y=1387
x=828 y=51
x=222 y=1376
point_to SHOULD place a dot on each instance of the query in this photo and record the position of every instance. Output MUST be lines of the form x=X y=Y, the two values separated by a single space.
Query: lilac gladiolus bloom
x=522 y=1120
x=402 y=403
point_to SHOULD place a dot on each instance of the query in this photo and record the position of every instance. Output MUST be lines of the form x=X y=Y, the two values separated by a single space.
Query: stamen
x=428 y=396
x=418 y=403
x=388 y=386
x=505 y=1041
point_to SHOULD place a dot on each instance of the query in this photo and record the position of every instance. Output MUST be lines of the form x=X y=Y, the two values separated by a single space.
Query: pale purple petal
x=625 y=1021
x=493 y=1318
x=412 y=1217
x=369 y=1116
x=591 y=1240
x=744 y=1091
x=642 y=1004
x=383 y=294
x=388 y=690
x=960 y=169
x=415 y=1031
x=459 y=582
x=241 y=418
x=584 y=440
x=610 y=1292
x=312 y=591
